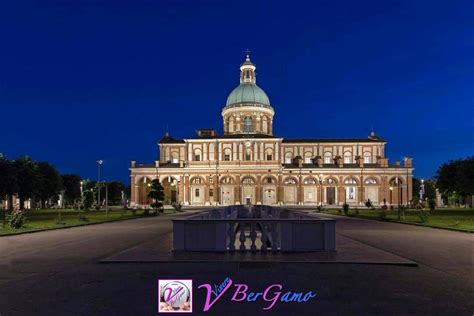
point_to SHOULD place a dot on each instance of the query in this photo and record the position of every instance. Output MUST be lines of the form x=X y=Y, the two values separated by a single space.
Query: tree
x=157 y=193
x=72 y=188
x=8 y=181
x=27 y=179
x=455 y=179
x=89 y=199
x=115 y=189
x=49 y=182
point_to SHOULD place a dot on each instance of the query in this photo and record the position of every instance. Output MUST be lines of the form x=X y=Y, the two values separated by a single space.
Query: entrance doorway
x=331 y=195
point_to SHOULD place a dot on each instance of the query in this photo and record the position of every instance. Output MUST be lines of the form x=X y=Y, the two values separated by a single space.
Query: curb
x=406 y=223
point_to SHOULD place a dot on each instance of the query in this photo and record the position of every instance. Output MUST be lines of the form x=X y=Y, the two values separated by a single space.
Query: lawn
x=48 y=219
x=458 y=219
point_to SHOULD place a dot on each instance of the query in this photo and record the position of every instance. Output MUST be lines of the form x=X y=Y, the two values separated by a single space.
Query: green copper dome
x=248 y=92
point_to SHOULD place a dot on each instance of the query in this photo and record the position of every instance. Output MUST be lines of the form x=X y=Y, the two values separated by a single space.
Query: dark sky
x=88 y=80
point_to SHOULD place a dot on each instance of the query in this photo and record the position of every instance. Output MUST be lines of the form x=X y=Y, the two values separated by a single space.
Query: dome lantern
x=248 y=108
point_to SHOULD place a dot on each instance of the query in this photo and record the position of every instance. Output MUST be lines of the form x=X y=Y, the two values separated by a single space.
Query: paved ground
x=57 y=273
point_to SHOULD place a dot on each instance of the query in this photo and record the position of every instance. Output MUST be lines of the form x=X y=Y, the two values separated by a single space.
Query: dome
x=248 y=92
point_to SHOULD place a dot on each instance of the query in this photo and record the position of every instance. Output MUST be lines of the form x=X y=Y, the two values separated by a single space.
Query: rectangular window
x=307 y=160
x=247 y=156
x=269 y=157
x=347 y=160
x=197 y=192
x=367 y=159
x=327 y=159
x=197 y=158
x=227 y=157
x=211 y=192
x=175 y=160
x=288 y=160
x=350 y=193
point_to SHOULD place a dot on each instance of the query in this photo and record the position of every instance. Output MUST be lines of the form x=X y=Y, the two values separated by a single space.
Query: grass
x=38 y=220
x=457 y=219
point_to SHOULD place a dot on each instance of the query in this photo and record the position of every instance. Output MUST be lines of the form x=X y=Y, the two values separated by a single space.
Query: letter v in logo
x=208 y=304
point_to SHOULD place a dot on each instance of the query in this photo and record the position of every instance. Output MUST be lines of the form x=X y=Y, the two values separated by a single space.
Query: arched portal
x=290 y=190
x=143 y=188
x=227 y=190
x=170 y=184
x=269 y=185
x=248 y=190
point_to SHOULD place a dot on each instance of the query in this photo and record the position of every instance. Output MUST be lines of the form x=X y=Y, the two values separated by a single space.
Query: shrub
x=16 y=219
x=320 y=208
x=369 y=204
x=384 y=207
x=345 y=208
x=356 y=211
x=178 y=207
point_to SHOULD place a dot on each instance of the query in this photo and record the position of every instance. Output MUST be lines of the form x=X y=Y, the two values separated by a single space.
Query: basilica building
x=248 y=164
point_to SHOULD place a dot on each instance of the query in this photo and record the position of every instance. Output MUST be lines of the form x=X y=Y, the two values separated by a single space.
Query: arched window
x=310 y=181
x=269 y=154
x=370 y=181
x=248 y=181
x=248 y=125
x=288 y=157
x=350 y=181
x=227 y=154
x=347 y=157
x=197 y=180
x=269 y=180
x=367 y=157
x=307 y=157
x=197 y=155
x=227 y=180
x=174 y=157
x=248 y=154
x=327 y=157
x=290 y=181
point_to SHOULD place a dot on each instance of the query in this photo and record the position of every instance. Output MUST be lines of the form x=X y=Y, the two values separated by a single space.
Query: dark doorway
x=331 y=195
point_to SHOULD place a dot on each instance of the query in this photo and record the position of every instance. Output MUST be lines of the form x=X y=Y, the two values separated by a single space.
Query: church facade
x=250 y=165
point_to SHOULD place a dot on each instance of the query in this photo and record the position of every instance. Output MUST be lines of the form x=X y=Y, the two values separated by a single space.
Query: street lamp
x=99 y=166
x=422 y=190
x=321 y=190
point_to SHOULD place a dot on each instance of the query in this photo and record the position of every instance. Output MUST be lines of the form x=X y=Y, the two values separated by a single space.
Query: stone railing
x=260 y=229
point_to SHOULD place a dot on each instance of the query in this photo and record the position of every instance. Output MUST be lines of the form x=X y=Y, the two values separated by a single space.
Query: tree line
x=455 y=180
x=40 y=182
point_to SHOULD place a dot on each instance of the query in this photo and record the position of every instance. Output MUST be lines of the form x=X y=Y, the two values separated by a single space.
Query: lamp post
x=321 y=190
x=422 y=190
x=99 y=166
x=399 y=196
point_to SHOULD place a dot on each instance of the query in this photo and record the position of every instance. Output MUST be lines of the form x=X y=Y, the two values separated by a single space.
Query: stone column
x=300 y=198
x=181 y=191
x=409 y=188
x=133 y=190
x=238 y=195
x=280 y=191
x=186 y=191
x=258 y=190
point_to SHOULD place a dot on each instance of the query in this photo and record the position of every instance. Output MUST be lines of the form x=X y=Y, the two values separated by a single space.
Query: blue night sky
x=87 y=80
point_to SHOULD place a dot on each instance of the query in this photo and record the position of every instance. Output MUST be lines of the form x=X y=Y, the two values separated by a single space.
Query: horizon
x=86 y=81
